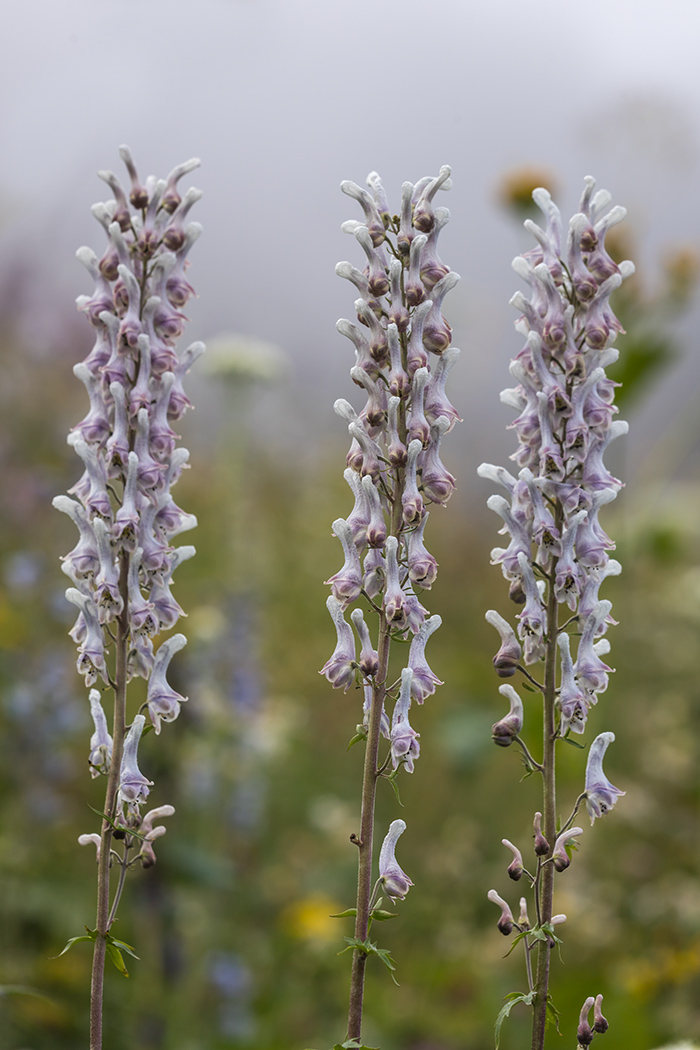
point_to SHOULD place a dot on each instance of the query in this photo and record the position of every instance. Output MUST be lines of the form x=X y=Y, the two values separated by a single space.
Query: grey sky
x=282 y=100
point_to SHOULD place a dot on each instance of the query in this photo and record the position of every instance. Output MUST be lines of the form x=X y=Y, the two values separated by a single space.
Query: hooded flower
x=395 y=881
x=133 y=785
x=601 y=795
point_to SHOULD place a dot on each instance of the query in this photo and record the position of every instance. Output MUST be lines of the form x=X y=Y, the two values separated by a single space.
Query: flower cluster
x=122 y=566
x=565 y=422
x=394 y=470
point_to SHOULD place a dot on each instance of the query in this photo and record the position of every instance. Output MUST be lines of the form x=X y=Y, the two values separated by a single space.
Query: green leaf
x=91 y=936
x=356 y=739
x=123 y=946
x=381 y=916
x=347 y=914
x=513 y=997
x=567 y=740
x=370 y=948
x=116 y=957
x=516 y=941
x=21 y=989
x=552 y=1015
x=392 y=780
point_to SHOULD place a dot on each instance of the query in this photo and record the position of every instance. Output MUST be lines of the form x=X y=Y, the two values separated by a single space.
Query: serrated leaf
x=347 y=914
x=552 y=1015
x=513 y=998
x=370 y=948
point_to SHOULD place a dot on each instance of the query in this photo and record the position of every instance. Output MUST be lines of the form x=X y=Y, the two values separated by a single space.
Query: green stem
x=104 y=919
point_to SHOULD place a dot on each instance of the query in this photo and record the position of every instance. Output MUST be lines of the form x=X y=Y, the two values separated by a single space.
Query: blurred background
x=283 y=100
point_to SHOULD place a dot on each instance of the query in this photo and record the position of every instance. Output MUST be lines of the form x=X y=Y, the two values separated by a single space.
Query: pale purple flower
x=163 y=701
x=404 y=739
x=395 y=882
x=339 y=669
x=133 y=785
x=601 y=795
x=424 y=681
x=100 y=742
x=369 y=657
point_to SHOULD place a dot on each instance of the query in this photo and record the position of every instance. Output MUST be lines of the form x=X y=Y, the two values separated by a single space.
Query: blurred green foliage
x=232 y=925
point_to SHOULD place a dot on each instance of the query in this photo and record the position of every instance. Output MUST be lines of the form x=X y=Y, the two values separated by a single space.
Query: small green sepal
x=359 y=735
x=381 y=915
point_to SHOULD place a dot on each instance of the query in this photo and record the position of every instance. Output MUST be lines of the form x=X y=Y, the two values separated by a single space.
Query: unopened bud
x=506 y=921
x=505 y=731
x=523 y=920
x=584 y=1032
x=600 y=1024
x=508 y=656
x=515 y=868
x=541 y=844
x=560 y=857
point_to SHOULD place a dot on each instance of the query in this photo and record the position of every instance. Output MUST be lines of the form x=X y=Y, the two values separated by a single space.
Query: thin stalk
x=370 y=778
x=104 y=919
x=364 y=874
x=546 y=888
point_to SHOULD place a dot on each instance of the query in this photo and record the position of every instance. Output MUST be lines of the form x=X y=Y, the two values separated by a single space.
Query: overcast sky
x=284 y=98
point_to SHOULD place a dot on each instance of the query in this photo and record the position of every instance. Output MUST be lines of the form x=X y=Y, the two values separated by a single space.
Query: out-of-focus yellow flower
x=309 y=919
x=682 y=272
x=515 y=189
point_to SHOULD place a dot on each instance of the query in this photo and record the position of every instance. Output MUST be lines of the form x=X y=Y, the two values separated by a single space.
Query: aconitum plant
x=394 y=471
x=557 y=555
x=122 y=567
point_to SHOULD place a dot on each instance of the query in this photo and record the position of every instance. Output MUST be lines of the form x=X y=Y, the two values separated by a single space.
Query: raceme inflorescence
x=121 y=569
x=557 y=554
x=403 y=356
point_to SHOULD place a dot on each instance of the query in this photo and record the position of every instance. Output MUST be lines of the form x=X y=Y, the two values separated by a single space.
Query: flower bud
x=560 y=857
x=584 y=1032
x=508 y=656
x=600 y=1023
x=506 y=921
x=515 y=868
x=541 y=844
x=505 y=731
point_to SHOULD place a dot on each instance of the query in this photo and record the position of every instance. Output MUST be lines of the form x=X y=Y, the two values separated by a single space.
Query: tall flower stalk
x=557 y=556
x=122 y=566
x=402 y=359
